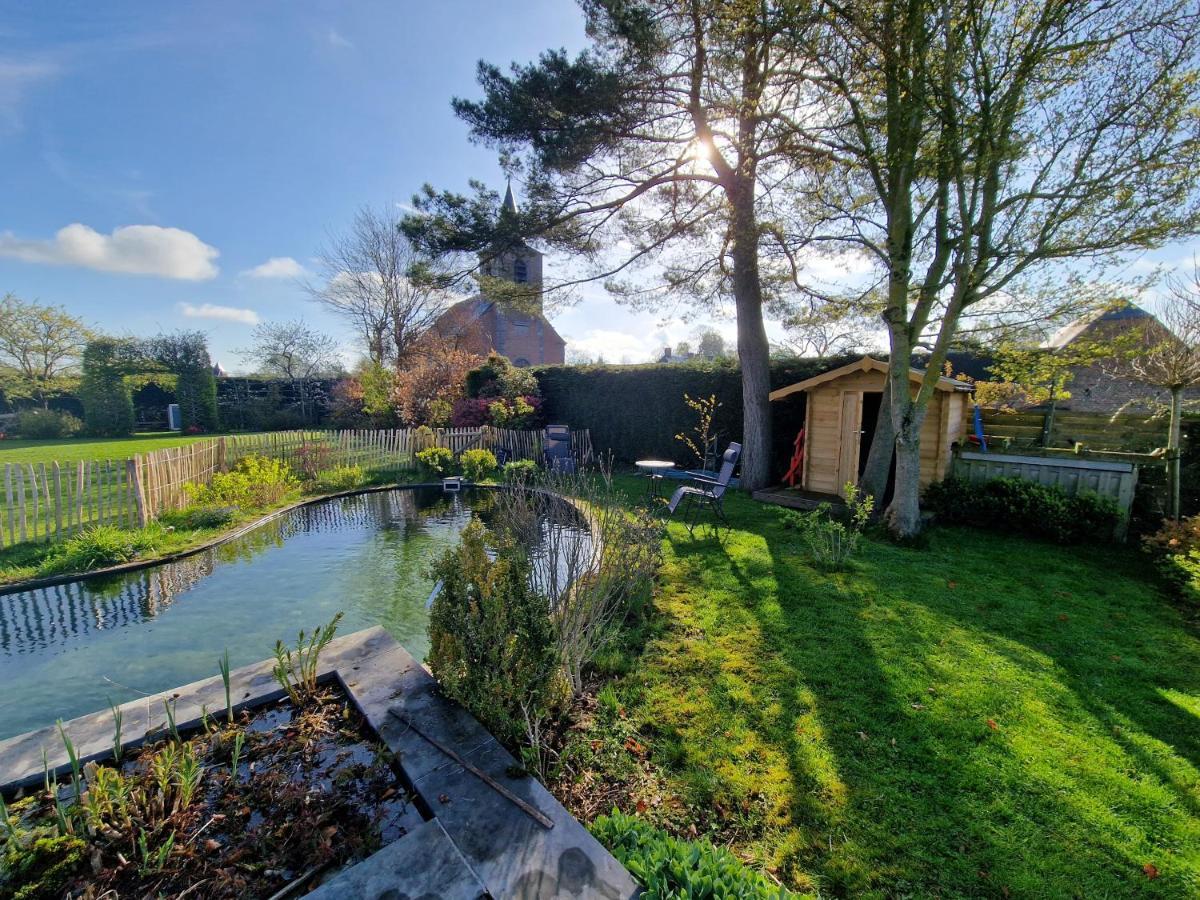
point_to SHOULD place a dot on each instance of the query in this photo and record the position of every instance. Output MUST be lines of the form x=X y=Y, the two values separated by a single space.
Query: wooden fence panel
x=1115 y=480
x=51 y=500
x=1130 y=433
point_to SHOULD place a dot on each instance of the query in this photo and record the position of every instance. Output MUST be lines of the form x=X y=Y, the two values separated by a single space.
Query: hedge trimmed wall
x=636 y=411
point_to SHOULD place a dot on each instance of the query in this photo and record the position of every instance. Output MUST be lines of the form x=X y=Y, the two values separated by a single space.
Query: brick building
x=1097 y=387
x=482 y=324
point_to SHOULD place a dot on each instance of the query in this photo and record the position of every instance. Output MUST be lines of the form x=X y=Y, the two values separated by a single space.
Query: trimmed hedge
x=1025 y=507
x=636 y=411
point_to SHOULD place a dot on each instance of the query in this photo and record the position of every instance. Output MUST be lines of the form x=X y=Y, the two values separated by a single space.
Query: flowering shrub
x=1177 y=546
x=470 y=412
x=255 y=481
x=478 y=464
x=518 y=413
x=436 y=461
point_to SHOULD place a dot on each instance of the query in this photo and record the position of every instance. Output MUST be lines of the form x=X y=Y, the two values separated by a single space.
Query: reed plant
x=296 y=671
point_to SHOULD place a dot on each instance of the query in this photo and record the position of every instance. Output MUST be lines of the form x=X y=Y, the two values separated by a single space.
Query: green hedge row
x=636 y=411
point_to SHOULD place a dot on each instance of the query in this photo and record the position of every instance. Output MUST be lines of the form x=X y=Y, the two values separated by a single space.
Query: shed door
x=851 y=435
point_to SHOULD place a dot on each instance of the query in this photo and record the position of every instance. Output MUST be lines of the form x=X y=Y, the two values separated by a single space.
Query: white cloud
x=132 y=249
x=220 y=313
x=277 y=267
x=337 y=39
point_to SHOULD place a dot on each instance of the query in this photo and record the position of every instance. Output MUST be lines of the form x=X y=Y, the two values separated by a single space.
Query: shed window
x=520 y=271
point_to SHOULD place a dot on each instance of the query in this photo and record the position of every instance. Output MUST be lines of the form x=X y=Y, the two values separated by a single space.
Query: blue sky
x=184 y=146
x=170 y=165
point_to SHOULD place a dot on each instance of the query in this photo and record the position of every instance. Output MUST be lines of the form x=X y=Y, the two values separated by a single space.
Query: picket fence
x=51 y=500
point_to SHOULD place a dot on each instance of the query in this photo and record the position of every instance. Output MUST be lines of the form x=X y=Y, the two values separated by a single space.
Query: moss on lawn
x=985 y=716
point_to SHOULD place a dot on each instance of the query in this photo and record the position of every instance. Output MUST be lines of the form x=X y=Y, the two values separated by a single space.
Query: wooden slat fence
x=1115 y=480
x=1129 y=433
x=51 y=500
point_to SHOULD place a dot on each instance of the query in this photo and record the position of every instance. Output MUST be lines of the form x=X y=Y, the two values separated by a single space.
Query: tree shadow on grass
x=897 y=782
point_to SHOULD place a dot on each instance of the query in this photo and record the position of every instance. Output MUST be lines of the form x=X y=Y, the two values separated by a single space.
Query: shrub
x=341 y=478
x=520 y=470
x=470 y=412
x=47 y=424
x=478 y=464
x=593 y=576
x=667 y=867
x=491 y=638
x=97 y=547
x=498 y=377
x=1177 y=548
x=205 y=516
x=254 y=482
x=314 y=458
x=831 y=541
x=1026 y=507
x=436 y=461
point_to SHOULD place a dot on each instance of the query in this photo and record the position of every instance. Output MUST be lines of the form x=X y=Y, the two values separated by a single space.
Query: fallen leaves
x=1151 y=870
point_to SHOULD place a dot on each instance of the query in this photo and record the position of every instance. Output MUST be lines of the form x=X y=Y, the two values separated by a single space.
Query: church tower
x=522 y=265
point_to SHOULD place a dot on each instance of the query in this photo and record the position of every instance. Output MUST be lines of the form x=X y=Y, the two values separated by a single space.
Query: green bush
x=196 y=517
x=832 y=542
x=97 y=547
x=341 y=478
x=255 y=481
x=45 y=424
x=436 y=461
x=491 y=638
x=478 y=464
x=1025 y=507
x=520 y=470
x=668 y=868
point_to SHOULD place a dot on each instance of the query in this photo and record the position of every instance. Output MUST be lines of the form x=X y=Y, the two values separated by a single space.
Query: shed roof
x=866 y=364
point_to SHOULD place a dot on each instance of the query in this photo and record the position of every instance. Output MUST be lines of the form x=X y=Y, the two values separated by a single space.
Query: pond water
x=74 y=648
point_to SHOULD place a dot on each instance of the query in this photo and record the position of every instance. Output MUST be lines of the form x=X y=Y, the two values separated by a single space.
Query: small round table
x=654 y=470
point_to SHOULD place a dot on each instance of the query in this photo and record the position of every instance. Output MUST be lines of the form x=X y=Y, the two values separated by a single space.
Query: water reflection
x=73 y=648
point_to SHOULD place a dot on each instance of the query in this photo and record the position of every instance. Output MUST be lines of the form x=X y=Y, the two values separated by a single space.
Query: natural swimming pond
x=74 y=648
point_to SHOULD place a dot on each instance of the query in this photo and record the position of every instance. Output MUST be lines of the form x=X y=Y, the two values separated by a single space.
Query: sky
x=178 y=165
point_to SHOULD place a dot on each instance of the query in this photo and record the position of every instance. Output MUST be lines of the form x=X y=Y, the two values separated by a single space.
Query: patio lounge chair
x=556 y=449
x=704 y=490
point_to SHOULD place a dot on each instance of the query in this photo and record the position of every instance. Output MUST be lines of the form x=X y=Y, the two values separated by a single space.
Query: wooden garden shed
x=839 y=423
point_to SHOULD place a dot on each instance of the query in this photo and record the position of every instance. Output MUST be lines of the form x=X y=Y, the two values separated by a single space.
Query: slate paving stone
x=497 y=847
x=423 y=864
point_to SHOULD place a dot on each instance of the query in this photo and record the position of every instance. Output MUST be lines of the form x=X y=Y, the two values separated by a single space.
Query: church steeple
x=509 y=205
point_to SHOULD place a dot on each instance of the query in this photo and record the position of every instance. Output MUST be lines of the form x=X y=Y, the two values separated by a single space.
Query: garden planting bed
x=351 y=791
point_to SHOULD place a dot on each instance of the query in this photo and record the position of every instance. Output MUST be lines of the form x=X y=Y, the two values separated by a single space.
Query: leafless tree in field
x=373 y=278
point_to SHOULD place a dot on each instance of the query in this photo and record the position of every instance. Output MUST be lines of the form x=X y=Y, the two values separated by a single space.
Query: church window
x=520 y=271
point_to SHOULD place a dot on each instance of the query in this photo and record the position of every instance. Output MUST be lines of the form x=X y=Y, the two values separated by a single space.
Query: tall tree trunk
x=904 y=512
x=1174 y=441
x=753 y=347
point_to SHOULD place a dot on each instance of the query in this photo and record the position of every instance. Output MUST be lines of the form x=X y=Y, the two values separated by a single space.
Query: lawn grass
x=983 y=716
x=92 y=448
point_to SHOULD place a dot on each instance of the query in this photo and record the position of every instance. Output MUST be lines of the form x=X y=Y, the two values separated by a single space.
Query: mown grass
x=985 y=716
x=90 y=448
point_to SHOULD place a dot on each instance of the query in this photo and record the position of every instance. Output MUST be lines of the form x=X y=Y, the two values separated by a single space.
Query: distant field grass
x=75 y=449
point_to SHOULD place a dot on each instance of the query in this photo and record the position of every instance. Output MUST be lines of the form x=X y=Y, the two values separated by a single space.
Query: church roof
x=1125 y=313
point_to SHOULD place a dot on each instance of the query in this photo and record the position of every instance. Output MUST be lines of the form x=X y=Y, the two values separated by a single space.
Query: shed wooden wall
x=944 y=424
